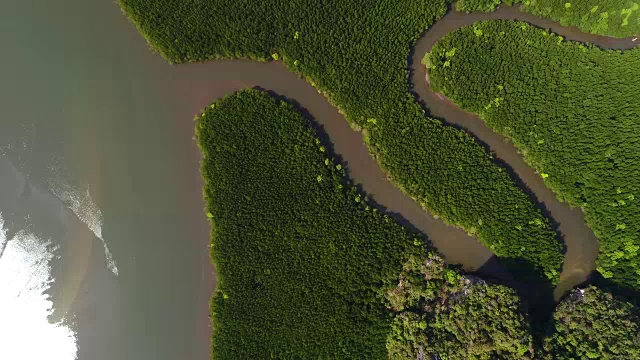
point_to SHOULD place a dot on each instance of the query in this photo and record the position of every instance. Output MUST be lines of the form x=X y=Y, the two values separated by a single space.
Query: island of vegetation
x=356 y=54
x=616 y=18
x=572 y=110
x=308 y=268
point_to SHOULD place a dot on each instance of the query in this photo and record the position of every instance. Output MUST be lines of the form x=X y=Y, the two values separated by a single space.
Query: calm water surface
x=96 y=143
x=99 y=182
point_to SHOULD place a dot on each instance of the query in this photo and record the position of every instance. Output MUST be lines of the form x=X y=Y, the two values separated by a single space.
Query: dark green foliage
x=355 y=53
x=573 y=111
x=591 y=324
x=617 y=18
x=307 y=268
x=300 y=255
x=440 y=313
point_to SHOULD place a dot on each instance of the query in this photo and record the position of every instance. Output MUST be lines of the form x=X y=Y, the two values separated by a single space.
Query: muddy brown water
x=581 y=243
x=82 y=92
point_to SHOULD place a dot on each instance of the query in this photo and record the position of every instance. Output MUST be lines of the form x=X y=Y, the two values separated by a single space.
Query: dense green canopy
x=618 y=18
x=307 y=266
x=574 y=112
x=591 y=324
x=481 y=5
x=355 y=52
x=300 y=255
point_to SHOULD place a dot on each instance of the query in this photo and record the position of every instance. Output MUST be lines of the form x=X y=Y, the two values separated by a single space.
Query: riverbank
x=196 y=85
x=456 y=245
x=581 y=243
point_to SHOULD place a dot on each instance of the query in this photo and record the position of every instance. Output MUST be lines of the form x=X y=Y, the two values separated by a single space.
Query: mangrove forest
x=310 y=267
x=572 y=110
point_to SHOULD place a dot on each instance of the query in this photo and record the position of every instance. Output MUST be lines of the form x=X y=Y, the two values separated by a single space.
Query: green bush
x=571 y=109
x=591 y=324
x=440 y=314
x=356 y=54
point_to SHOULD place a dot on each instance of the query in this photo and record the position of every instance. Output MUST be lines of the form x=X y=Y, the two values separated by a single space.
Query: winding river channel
x=581 y=243
x=98 y=166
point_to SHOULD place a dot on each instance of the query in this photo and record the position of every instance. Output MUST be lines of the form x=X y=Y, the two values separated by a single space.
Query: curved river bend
x=455 y=244
x=86 y=95
x=581 y=243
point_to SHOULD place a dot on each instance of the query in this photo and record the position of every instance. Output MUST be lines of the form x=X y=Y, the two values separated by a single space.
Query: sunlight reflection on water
x=25 y=276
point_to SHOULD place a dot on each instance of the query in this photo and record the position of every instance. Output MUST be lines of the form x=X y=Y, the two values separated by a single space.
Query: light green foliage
x=450 y=53
x=628 y=12
x=299 y=263
x=355 y=52
x=617 y=18
x=439 y=314
x=477 y=5
x=573 y=110
x=426 y=60
x=592 y=324
x=610 y=17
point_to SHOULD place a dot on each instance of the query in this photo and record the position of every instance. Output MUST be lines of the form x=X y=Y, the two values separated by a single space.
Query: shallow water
x=97 y=157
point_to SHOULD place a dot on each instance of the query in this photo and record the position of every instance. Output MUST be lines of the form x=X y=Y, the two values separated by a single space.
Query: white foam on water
x=3 y=237
x=25 y=276
x=80 y=202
